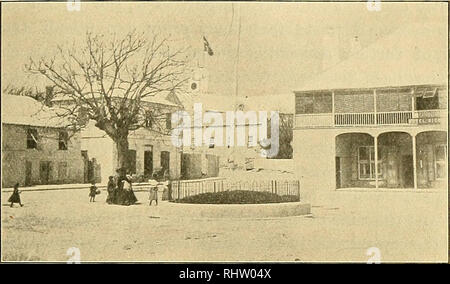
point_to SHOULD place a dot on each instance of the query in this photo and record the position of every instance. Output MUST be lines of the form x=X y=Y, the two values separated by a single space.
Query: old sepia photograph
x=224 y=132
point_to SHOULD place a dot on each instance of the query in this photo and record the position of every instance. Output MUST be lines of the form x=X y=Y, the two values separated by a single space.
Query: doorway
x=407 y=171
x=45 y=171
x=28 y=166
x=148 y=163
x=165 y=161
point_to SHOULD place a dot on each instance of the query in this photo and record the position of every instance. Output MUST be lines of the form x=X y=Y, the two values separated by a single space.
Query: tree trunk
x=122 y=153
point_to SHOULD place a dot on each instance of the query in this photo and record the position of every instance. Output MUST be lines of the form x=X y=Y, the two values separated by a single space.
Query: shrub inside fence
x=182 y=189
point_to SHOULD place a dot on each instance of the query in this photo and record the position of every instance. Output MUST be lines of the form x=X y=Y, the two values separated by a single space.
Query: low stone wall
x=282 y=165
x=240 y=210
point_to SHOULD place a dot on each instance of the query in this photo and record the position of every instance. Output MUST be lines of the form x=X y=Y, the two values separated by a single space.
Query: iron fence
x=185 y=188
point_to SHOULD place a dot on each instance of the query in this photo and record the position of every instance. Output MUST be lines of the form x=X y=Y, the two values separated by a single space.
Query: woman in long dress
x=15 y=196
x=125 y=194
x=111 y=188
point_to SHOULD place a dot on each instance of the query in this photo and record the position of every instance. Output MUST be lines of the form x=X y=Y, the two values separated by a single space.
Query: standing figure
x=92 y=192
x=15 y=196
x=127 y=187
x=111 y=188
x=153 y=189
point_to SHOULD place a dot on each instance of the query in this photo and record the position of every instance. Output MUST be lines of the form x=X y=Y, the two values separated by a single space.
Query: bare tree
x=42 y=96
x=111 y=81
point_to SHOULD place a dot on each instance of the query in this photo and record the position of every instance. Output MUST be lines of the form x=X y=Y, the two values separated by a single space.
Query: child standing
x=92 y=192
x=15 y=196
x=153 y=190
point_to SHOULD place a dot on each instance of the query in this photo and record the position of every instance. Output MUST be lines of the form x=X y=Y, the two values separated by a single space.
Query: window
x=132 y=161
x=32 y=139
x=211 y=142
x=62 y=171
x=366 y=163
x=313 y=103
x=63 y=140
x=250 y=141
x=427 y=103
x=148 y=120
x=440 y=159
x=168 y=121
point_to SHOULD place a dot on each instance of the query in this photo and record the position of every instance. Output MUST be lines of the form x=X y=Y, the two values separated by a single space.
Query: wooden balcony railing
x=370 y=118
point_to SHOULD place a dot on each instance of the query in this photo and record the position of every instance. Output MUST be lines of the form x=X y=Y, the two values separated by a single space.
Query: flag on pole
x=207 y=47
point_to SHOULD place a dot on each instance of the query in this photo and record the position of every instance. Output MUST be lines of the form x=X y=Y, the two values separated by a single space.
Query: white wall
x=314 y=158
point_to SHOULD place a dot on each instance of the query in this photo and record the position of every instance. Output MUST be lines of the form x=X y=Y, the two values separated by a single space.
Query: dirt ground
x=404 y=226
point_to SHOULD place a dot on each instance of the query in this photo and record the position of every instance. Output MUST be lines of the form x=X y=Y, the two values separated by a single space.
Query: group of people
x=120 y=190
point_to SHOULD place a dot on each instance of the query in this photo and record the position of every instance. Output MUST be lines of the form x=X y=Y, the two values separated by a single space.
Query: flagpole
x=237 y=59
x=236 y=94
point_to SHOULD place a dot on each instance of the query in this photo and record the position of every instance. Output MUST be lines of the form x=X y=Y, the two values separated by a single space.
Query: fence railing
x=185 y=188
x=394 y=118
x=369 y=118
x=354 y=118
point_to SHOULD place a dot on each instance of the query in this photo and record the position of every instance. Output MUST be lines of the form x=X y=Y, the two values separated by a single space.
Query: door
x=407 y=171
x=28 y=166
x=148 y=163
x=45 y=172
x=165 y=161
x=338 y=172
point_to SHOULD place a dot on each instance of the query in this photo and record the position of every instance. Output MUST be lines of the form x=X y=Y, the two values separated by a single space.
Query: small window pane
x=363 y=154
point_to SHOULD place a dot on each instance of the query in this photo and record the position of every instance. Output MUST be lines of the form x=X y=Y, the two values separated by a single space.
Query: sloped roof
x=155 y=99
x=412 y=55
x=210 y=102
x=23 y=110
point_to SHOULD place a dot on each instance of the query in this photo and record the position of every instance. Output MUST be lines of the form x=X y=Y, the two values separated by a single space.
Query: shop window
x=366 y=163
x=440 y=154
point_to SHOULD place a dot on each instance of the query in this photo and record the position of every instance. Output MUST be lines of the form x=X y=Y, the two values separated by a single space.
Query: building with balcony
x=379 y=119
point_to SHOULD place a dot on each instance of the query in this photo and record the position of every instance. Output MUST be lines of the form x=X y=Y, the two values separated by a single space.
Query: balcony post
x=332 y=108
x=414 y=159
x=375 y=107
x=375 y=141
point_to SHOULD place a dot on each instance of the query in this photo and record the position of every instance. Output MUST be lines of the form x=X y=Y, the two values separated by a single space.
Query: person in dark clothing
x=124 y=192
x=111 y=188
x=15 y=196
x=92 y=192
x=130 y=197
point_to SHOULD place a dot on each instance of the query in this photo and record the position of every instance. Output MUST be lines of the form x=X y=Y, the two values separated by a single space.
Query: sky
x=281 y=45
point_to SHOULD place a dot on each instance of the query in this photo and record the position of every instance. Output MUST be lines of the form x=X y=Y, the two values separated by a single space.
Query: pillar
x=414 y=160
x=375 y=141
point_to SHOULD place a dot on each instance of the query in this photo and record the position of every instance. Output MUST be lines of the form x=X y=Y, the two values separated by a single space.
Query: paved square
x=404 y=226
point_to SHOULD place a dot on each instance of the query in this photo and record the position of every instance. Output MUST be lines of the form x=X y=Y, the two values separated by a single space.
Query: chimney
x=48 y=96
